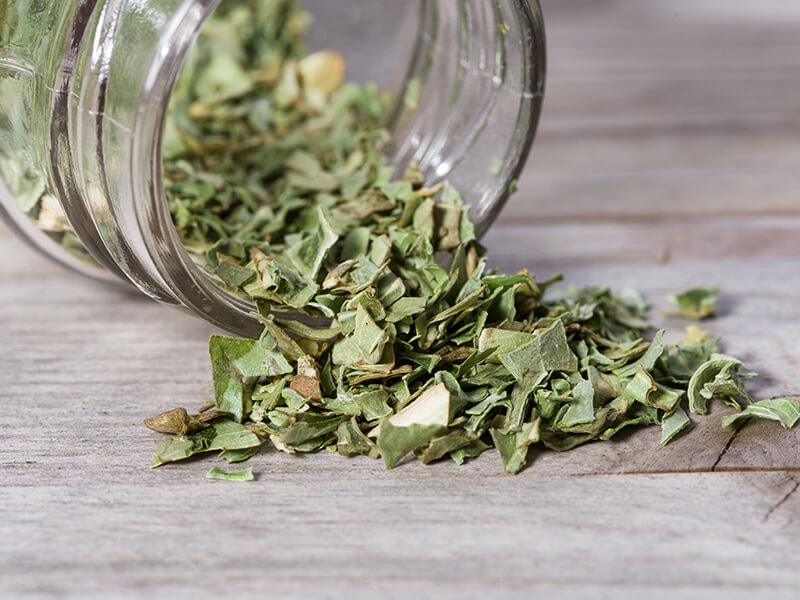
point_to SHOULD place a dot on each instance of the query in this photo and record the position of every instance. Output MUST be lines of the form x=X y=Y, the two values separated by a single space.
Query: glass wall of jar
x=84 y=91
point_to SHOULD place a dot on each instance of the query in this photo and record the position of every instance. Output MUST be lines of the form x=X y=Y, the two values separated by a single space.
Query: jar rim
x=193 y=288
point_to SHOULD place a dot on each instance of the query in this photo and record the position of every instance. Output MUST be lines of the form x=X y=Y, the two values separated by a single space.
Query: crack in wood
x=725 y=450
x=783 y=500
x=719 y=470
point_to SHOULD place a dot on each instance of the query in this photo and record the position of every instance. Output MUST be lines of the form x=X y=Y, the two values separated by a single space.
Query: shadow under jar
x=84 y=91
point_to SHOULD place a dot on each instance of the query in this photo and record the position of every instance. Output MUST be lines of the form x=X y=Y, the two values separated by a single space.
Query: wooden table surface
x=667 y=157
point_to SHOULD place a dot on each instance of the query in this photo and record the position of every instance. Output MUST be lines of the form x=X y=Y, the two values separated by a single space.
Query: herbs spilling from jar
x=278 y=185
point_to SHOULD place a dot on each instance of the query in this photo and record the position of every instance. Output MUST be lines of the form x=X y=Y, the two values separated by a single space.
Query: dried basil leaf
x=513 y=445
x=243 y=475
x=695 y=303
x=784 y=410
x=673 y=424
x=719 y=377
x=396 y=442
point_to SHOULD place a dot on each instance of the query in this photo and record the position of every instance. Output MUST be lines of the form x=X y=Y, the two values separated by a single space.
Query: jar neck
x=108 y=144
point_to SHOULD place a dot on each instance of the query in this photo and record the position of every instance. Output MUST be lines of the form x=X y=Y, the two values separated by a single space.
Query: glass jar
x=84 y=90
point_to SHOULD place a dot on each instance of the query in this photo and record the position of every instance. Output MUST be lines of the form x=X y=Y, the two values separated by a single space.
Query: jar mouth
x=194 y=289
x=492 y=98
x=110 y=109
x=481 y=68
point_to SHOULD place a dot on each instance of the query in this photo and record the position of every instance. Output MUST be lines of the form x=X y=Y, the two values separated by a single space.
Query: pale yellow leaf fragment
x=51 y=215
x=279 y=445
x=431 y=408
x=322 y=72
x=694 y=335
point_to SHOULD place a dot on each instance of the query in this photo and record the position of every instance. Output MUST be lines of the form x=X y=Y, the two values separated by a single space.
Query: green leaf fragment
x=227 y=435
x=351 y=441
x=655 y=350
x=243 y=475
x=173 y=450
x=27 y=185
x=234 y=275
x=365 y=345
x=446 y=444
x=396 y=442
x=673 y=424
x=471 y=450
x=520 y=399
x=240 y=455
x=581 y=409
x=309 y=254
x=547 y=351
x=695 y=303
x=311 y=428
x=513 y=445
x=236 y=365
x=640 y=386
x=664 y=398
x=643 y=419
x=373 y=404
x=719 y=377
x=784 y=410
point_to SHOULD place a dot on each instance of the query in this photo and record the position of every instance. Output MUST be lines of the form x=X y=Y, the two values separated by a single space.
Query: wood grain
x=666 y=108
x=666 y=158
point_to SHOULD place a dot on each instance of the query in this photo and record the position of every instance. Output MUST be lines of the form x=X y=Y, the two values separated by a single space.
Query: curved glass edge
x=32 y=38
x=473 y=98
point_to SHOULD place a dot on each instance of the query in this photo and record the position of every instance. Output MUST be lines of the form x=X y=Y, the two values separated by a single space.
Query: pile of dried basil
x=278 y=185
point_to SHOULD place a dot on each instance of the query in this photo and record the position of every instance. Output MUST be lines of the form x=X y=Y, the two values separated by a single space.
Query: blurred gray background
x=674 y=108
